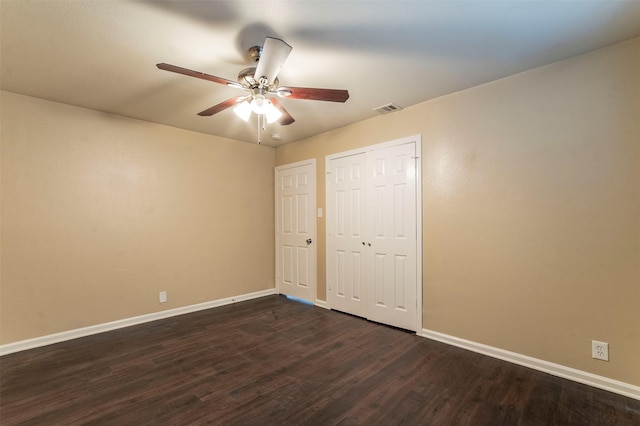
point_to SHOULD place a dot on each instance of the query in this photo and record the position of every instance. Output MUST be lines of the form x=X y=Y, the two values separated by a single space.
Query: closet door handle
x=309 y=241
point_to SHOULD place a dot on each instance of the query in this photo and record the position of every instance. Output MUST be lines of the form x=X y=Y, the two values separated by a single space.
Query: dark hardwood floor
x=272 y=361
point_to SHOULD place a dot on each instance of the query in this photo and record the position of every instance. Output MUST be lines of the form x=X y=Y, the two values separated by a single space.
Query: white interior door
x=296 y=230
x=373 y=235
x=346 y=246
x=392 y=233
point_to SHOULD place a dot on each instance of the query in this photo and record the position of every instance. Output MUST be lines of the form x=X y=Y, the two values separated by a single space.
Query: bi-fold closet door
x=372 y=233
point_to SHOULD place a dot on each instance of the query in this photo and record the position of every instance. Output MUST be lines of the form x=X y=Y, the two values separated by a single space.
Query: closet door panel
x=345 y=238
x=392 y=223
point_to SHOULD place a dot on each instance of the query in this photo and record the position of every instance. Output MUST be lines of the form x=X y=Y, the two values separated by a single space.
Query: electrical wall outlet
x=163 y=296
x=600 y=350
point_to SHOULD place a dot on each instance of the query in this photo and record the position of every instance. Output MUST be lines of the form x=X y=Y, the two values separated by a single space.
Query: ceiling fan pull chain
x=259 y=129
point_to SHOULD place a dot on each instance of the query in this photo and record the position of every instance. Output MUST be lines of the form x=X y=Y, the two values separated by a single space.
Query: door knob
x=309 y=241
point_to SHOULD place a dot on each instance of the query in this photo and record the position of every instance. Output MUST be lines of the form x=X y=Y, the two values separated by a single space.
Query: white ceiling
x=102 y=54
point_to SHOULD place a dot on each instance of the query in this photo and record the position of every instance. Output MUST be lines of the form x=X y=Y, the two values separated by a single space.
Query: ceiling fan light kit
x=243 y=110
x=272 y=113
x=258 y=106
x=261 y=81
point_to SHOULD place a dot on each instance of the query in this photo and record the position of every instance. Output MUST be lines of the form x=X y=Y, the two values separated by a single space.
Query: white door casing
x=296 y=272
x=374 y=236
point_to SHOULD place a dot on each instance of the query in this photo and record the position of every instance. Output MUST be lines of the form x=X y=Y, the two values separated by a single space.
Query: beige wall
x=101 y=212
x=531 y=208
x=531 y=205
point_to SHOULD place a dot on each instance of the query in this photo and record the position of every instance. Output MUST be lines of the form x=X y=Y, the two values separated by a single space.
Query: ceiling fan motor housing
x=247 y=79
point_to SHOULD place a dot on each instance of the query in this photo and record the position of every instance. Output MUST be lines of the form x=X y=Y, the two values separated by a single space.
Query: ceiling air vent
x=386 y=109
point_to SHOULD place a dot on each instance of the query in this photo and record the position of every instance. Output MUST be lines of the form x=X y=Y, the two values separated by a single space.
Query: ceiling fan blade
x=222 y=106
x=197 y=74
x=274 y=53
x=331 y=95
x=286 y=118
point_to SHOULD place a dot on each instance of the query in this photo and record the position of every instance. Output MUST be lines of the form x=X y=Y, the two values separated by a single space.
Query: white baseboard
x=113 y=325
x=558 y=370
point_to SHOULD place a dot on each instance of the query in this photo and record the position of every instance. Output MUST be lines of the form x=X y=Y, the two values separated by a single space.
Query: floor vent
x=386 y=109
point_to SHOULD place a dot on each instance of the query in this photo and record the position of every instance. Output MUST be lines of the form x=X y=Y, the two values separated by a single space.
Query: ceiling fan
x=262 y=84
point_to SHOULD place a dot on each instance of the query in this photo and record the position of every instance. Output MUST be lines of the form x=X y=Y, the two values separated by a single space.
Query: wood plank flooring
x=272 y=361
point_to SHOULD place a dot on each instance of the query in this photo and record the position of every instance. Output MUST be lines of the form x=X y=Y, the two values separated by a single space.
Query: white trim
x=419 y=235
x=558 y=370
x=50 y=339
x=322 y=304
x=417 y=138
